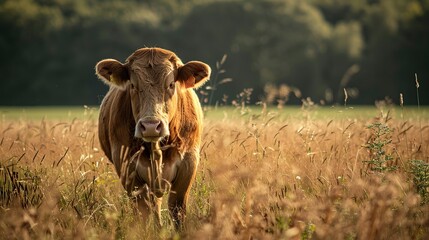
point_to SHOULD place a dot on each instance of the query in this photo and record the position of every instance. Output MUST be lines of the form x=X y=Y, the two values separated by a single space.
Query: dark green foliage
x=48 y=48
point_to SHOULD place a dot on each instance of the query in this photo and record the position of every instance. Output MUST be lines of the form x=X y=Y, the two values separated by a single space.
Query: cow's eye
x=171 y=86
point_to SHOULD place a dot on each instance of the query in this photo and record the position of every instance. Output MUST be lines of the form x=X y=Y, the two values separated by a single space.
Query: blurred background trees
x=311 y=48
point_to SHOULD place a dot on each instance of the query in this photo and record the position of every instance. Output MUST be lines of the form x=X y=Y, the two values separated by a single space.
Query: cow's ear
x=194 y=74
x=112 y=72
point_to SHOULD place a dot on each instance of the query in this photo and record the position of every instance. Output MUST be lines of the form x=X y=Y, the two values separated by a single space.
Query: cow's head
x=153 y=77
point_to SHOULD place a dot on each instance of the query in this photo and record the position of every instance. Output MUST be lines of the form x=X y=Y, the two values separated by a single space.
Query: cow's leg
x=180 y=188
x=143 y=203
x=148 y=203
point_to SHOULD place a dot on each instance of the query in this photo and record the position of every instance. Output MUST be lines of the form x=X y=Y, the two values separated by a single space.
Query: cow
x=150 y=126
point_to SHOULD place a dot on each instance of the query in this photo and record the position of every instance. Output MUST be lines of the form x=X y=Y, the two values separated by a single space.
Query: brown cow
x=150 y=126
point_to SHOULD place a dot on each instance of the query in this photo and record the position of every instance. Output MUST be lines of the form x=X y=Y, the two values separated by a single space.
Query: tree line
x=285 y=50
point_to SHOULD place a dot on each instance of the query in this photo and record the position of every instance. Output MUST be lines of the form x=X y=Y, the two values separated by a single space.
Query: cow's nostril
x=142 y=126
x=159 y=127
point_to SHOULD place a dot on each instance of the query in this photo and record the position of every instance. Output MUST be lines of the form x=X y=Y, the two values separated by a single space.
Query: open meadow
x=292 y=173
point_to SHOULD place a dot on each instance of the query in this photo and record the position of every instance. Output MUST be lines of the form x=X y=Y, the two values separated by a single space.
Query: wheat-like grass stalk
x=418 y=107
x=345 y=97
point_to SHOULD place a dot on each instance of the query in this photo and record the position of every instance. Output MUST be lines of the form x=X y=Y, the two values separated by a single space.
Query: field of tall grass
x=303 y=173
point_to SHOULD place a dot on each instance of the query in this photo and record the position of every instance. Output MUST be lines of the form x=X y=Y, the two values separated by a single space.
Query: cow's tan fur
x=141 y=87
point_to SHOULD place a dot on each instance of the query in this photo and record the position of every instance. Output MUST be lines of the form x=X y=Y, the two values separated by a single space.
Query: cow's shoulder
x=186 y=125
x=116 y=121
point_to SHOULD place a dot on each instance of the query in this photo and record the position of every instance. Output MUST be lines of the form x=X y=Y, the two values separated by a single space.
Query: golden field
x=310 y=173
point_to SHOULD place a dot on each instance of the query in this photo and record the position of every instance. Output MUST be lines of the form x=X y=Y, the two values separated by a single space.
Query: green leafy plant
x=308 y=231
x=380 y=160
x=420 y=173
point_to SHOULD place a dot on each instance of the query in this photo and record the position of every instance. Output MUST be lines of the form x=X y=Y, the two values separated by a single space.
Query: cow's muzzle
x=150 y=129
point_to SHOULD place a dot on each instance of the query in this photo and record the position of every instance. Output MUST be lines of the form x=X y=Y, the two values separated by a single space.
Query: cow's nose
x=149 y=128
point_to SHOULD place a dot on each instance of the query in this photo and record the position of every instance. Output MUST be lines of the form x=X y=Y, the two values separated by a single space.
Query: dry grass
x=260 y=177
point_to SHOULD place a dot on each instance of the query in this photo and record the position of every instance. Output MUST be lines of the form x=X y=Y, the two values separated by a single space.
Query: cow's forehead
x=152 y=74
x=149 y=68
x=152 y=65
x=152 y=57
